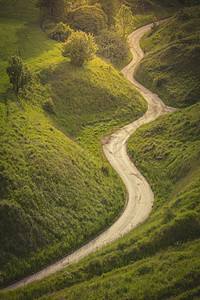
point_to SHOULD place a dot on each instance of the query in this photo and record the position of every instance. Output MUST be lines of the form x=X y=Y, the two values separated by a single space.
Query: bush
x=18 y=73
x=61 y=32
x=48 y=106
x=112 y=46
x=80 y=48
x=124 y=21
x=90 y=19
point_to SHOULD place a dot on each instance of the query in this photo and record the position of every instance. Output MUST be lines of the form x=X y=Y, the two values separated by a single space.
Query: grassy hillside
x=172 y=62
x=92 y=101
x=160 y=258
x=44 y=213
x=19 y=37
x=147 y=11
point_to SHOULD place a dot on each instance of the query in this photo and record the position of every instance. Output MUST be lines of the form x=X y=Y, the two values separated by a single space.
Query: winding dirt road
x=140 y=195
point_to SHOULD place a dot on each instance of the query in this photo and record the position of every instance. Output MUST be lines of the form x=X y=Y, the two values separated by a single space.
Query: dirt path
x=140 y=196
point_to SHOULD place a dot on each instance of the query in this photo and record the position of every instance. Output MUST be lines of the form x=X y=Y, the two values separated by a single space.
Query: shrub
x=124 y=21
x=61 y=32
x=90 y=19
x=48 y=106
x=80 y=48
x=112 y=46
x=18 y=73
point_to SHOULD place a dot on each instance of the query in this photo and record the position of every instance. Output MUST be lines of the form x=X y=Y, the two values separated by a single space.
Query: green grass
x=154 y=277
x=148 y=11
x=27 y=40
x=44 y=213
x=161 y=256
x=91 y=102
x=171 y=66
x=19 y=9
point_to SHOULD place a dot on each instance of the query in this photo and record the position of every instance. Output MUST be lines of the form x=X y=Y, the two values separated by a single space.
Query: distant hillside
x=171 y=66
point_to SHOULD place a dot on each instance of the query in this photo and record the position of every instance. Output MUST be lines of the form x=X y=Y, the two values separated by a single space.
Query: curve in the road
x=140 y=195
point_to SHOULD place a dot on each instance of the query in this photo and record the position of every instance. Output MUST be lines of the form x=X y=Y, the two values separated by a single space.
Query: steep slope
x=91 y=102
x=169 y=238
x=160 y=259
x=44 y=212
x=172 y=62
x=148 y=11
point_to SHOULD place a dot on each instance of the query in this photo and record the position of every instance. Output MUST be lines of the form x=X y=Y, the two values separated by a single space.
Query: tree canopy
x=53 y=8
x=18 y=73
x=80 y=47
x=124 y=20
x=109 y=7
x=90 y=19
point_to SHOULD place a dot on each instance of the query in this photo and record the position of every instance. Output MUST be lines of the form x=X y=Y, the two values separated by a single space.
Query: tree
x=124 y=21
x=90 y=19
x=18 y=73
x=110 y=9
x=112 y=46
x=53 y=8
x=61 y=32
x=80 y=48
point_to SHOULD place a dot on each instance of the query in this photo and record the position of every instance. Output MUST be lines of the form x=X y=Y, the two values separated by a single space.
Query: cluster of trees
x=53 y=8
x=108 y=20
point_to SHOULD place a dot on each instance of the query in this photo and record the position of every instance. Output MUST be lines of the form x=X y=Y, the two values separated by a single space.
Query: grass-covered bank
x=148 y=11
x=160 y=258
x=44 y=213
x=91 y=102
x=171 y=66
x=27 y=40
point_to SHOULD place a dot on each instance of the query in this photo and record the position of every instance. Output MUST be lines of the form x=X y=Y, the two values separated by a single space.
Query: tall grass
x=171 y=65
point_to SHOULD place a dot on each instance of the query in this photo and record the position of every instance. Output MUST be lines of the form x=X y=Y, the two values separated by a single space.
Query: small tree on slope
x=18 y=73
x=80 y=47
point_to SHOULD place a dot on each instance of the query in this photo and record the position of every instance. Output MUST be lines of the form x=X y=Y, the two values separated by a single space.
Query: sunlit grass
x=46 y=212
x=28 y=41
x=171 y=65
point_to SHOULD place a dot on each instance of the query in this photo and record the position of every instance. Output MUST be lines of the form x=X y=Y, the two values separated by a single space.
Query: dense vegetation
x=172 y=64
x=90 y=19
x=80 y=47
x=113 y=48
